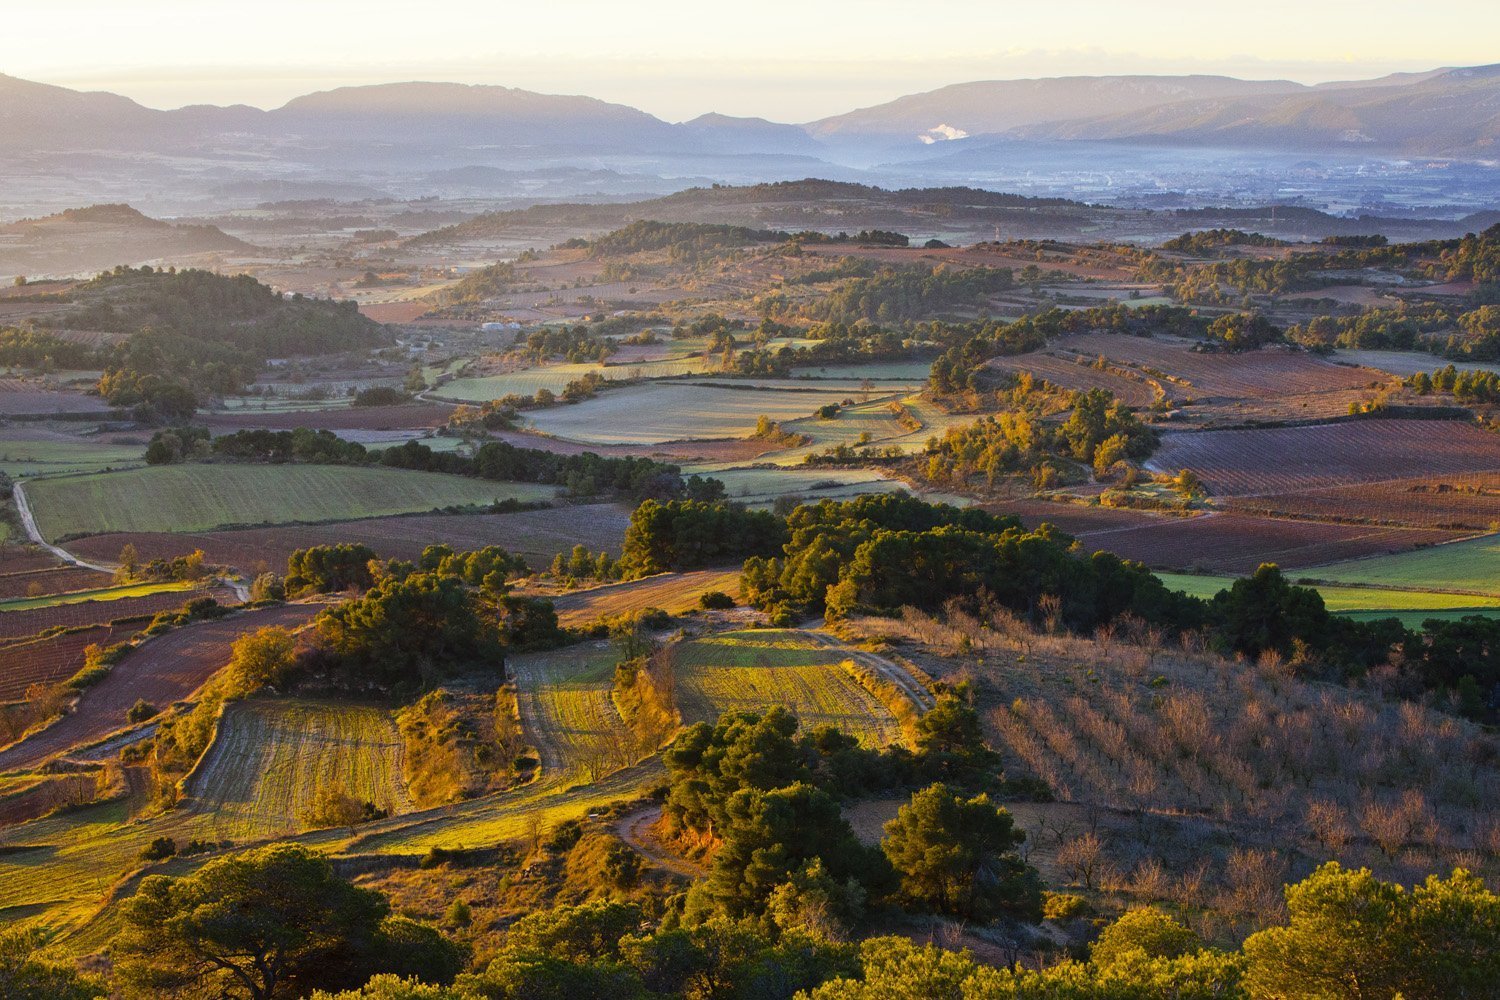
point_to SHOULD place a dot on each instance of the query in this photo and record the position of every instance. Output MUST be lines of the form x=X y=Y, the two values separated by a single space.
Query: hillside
x=82 y=240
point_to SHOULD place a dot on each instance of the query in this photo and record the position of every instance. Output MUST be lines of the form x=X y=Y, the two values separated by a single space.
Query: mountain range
x=1075 y=136
x=1448 y=112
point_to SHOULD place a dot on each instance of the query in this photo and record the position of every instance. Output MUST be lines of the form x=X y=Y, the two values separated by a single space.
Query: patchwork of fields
x=202 y=497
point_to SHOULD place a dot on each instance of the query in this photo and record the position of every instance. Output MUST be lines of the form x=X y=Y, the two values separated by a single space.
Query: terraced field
x=567 y=711
x=271 y=758
x=30 y=621
x=203 y=497
x=753 y=670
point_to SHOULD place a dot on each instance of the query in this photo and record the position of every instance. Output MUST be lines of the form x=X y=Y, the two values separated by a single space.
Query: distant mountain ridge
x=1449 y=112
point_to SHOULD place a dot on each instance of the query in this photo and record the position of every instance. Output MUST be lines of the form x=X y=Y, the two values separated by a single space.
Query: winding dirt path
x=635 y=829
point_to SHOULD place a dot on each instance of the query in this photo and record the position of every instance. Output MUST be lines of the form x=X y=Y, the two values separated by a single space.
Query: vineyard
x=1467 y=501
x=165 y=669
x=1079 y=374
x=49 y=579
x=1262 y=374
x=271 y=758
x=753 y=670
x=1236 y=543
x=538 y=535
x=1274 y=461
x=14 y=624
x=24 y=662
x=202 y=497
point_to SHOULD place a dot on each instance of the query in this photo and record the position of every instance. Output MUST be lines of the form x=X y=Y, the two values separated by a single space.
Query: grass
x=1472 y=565
x=1362 y=602
x=98 y=594
x=271 y=758
x=204 y=497
x=755 y=669
x=764 y=485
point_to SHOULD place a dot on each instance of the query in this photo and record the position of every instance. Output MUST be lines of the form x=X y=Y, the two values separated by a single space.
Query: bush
x=715 y=600
x=159 y=849
x=140 y=711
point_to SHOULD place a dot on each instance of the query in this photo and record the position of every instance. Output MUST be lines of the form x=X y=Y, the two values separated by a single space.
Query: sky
x=788 y=60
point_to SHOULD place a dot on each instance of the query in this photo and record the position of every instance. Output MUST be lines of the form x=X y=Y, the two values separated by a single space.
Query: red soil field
x=1281 y=460
x=394 y=312
x=413 y=416
x=1238 y=543
x=15 y=624
x=24 y=398
x=1073 y=518
x=1081 y=377
x=167 y=668
x=25 y=559
x=1466 y=501
x=536 y=534
x=1271 y=372
x=46 y=661
x=717 y=450
x=51 y=580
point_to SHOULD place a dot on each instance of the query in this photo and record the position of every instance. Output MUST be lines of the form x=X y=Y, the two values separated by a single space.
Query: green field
x=98 y=594
x=22 y=457
x=271 y=758
x=203 y=497
x=1411 y=606
x=1472 y=566
x=754 y=670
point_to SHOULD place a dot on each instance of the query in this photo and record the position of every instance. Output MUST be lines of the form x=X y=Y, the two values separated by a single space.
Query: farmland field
x=202 y=497
x=567 y=711
x=1237 y=543
x=760 y=485
x=102 y=594
x=753 y=670
x=1471 y=566
x=674 y=593
x=1287 y=459
x=1406 y=363
x=271 y=758
x=1465 y=500
x=52 y=579
x=667 y=411
x=31 y=453
x=1077 y=373
x=163 y=670
x=412 y=416
x=27 y=661
x=538 y=535
x=1266 y=373
x=33 y=620
x=1372 y=602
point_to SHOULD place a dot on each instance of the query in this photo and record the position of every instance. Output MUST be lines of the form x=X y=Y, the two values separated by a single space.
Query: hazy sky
x=791 y=60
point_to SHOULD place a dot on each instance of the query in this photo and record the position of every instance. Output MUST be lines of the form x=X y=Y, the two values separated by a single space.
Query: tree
x=409 y=630
x=129 y=561
x=258 y=925
x=957 y=856
x=1147 y=930
x=24 y=975
x=1351 y=935
x=771 y=836
x=263 y=658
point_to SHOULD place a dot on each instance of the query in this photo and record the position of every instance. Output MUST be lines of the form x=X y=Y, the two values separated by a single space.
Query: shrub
x=715 y=600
